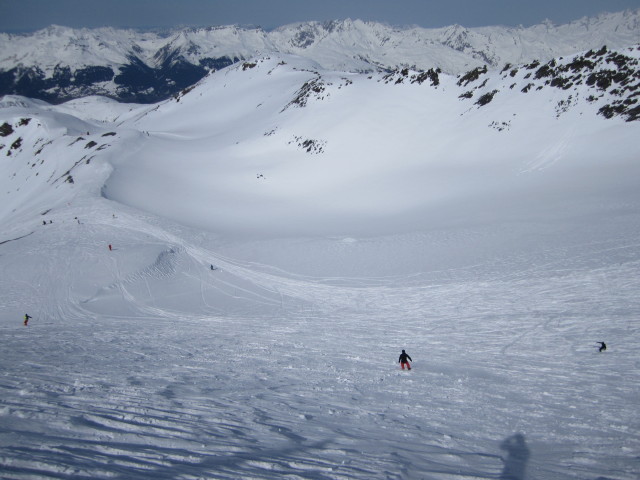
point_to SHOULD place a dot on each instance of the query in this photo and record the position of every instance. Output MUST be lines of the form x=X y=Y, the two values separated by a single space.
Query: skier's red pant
x=407 y=364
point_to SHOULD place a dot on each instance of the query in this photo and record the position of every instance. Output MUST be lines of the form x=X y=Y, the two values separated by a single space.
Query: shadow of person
x=517 y=457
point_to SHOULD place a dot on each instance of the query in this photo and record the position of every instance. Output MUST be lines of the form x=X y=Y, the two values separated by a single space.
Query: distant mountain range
x=58 y=63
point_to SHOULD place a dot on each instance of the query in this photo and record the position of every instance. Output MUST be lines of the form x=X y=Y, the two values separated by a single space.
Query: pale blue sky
x=27 y=15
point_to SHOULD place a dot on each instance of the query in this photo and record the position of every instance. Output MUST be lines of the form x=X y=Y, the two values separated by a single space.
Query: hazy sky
x=26 y=15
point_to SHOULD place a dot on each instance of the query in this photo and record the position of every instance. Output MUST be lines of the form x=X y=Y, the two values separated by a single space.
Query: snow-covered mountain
x=59 y=63
x=273 y=112
x=221 y=283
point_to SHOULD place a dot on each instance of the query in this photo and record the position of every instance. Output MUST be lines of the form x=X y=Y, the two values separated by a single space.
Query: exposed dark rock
x=500 y=126
x=580 y=63
x=486 y=98
x=561 y=82
x=5 y=130
x=633 y=114
x=610 y=111
x=183 y=93
x=544 y=71
x=315 y=86
x=472 y=76
x=430 y=74
x=303 y=39
x=309 y=145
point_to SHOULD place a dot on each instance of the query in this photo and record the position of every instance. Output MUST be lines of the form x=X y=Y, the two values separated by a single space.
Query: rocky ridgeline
x=612 y=77
x=406 y=75
x=612 y=73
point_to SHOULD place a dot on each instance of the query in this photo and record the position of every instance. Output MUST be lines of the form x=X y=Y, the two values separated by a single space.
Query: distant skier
x=603 y=346
x=109 y=247
x=404 y=360
x=26 y=319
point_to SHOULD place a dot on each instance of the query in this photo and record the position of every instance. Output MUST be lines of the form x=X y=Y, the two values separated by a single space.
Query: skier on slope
x=404 y=360
x=603 y=346
x=26 y=319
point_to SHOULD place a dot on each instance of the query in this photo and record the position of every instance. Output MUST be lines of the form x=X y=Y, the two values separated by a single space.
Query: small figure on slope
x=603 y=346
x=26 y=319
x=404 y=360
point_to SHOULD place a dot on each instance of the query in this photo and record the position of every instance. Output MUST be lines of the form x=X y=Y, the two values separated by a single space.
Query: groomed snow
x=247 y=320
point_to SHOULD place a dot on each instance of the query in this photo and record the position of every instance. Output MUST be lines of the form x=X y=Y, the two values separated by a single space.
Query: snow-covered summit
x=59 y=63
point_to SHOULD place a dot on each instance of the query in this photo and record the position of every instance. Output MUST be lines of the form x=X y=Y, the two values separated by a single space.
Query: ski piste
x=496 y=243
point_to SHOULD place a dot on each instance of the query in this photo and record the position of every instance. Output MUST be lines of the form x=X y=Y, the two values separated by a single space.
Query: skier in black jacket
x=404 y=360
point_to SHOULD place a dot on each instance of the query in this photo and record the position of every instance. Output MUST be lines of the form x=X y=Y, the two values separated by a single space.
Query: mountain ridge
x=301 y=131
x=61 y=63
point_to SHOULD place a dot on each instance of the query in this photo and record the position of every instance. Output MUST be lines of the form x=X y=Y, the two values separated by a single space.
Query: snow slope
x=279 y=233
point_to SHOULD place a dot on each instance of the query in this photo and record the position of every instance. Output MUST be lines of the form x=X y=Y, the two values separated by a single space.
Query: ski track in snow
x=306 y=385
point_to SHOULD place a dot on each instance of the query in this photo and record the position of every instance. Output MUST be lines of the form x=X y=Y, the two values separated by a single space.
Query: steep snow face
x=60 y=63
x=220 y=284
